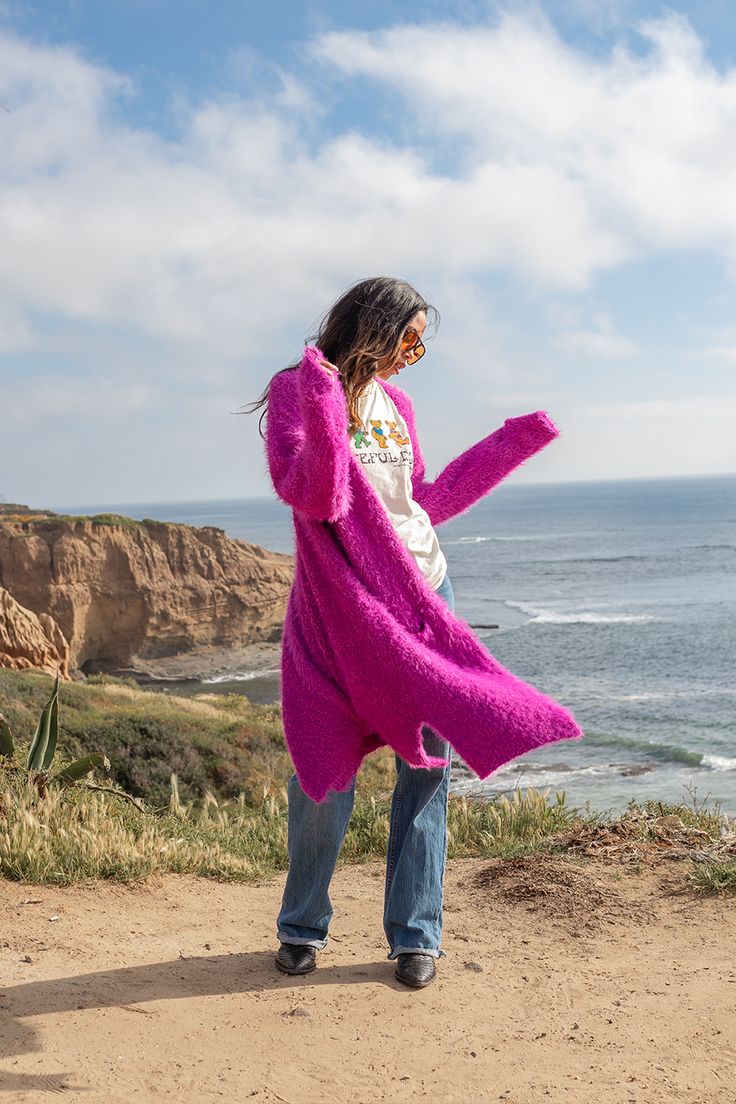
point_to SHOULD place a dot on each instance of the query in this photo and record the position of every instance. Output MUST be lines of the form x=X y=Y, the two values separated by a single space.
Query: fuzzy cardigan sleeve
x=306 y=439
x=479 y=469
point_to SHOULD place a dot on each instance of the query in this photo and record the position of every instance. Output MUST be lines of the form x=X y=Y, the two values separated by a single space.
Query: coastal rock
x=120 y=590
x=30 y=641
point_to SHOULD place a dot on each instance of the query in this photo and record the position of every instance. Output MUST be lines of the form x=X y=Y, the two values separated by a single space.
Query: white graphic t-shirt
x=383 y=449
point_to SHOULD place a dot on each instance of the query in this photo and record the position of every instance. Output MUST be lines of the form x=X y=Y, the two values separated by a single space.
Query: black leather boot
x=296 y=958
x=415 y=969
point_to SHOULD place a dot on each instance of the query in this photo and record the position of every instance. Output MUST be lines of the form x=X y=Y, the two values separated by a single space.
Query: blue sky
x=185 y=187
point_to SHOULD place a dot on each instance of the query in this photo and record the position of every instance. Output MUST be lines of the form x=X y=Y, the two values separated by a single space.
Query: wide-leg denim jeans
x=415 y=859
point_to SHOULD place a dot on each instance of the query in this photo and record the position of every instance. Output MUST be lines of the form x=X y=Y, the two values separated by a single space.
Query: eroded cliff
x=29 y=641
x=119 y=589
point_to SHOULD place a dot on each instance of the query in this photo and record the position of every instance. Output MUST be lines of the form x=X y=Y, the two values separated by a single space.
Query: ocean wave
x=243 y=676
x=540 y=776
x=669 y=695
x=553 y=617
x=718 y=762
x=529 y=537
x=664 y=753
x=545 y=773
x=641 y=697
x=594 y=559
x=709 y=547
x=510 y=776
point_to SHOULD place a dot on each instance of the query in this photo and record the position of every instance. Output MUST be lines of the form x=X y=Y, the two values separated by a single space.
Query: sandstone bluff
x=105 y=593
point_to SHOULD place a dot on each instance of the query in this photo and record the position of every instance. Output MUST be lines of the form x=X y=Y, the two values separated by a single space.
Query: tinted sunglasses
x=412 y=347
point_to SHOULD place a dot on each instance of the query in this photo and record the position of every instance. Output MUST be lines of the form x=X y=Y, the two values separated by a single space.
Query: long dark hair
x=365 y=324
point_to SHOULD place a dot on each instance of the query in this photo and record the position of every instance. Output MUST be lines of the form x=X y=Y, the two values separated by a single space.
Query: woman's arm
x=480 y=468
x=306 y=439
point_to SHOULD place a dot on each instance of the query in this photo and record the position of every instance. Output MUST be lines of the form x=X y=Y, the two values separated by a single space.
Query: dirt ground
x=562 y=981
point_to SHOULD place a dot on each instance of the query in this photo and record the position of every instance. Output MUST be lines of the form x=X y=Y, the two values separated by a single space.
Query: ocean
x=616 y=598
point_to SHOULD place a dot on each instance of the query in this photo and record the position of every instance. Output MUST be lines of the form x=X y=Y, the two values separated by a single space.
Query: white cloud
x=584 y=161
x=696 y=409
x=600 y=340
x=721 y=345
x=633 y=440
x=16 y=333
x=572 y=165
x=722 y=352
x=56 y=105
x=199 y=260
x=33 y=400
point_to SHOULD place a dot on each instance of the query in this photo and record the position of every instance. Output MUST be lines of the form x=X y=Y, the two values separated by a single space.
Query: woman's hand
x=329 y=367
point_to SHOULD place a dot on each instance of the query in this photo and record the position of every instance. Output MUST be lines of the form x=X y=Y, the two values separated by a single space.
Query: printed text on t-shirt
x=379 y=443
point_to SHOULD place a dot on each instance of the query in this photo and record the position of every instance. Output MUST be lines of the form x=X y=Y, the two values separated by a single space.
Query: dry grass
x=77 y=834
x=184 y=823
x=657 y=832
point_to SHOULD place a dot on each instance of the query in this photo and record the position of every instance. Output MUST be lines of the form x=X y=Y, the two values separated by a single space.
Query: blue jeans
x=415 y=859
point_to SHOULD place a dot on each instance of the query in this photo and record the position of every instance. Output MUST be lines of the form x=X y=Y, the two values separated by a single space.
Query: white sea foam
x=670 y=694
x=552 y=777
x=509 y=777
x=639 y=697
x=555 y=617
x=718 y=762
x=243 y=676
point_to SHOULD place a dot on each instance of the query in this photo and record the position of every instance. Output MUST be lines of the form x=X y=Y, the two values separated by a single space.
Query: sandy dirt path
x=577 y=984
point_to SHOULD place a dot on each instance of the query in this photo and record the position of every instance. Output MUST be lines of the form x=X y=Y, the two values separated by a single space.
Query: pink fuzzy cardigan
x=370 y=652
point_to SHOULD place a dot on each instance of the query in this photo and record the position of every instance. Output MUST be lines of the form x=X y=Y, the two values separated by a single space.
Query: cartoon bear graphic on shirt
x=378 y=433
x=362 y=439
x=395 y=435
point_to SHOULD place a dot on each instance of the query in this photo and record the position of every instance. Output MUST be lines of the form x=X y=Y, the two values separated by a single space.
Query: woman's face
x=392 y=364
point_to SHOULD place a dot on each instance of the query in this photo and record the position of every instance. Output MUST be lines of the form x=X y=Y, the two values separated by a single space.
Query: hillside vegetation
x=221 y=743
x=199 y=786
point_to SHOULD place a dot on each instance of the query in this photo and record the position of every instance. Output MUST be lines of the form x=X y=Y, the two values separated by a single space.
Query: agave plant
x=43 y=748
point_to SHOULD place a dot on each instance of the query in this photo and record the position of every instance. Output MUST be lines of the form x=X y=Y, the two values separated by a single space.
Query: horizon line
x=273 y=497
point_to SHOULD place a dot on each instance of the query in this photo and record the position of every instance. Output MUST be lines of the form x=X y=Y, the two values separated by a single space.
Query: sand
x=576 y=982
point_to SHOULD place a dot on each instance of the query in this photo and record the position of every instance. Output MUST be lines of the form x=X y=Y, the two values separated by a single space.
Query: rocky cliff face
x=118 y=589
x=28 y=641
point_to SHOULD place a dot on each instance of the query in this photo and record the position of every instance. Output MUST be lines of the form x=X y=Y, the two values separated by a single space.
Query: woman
x=371 y=647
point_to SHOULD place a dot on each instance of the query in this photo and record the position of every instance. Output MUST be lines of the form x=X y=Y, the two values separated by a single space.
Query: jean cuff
x=415 y=950
x=320 y=944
